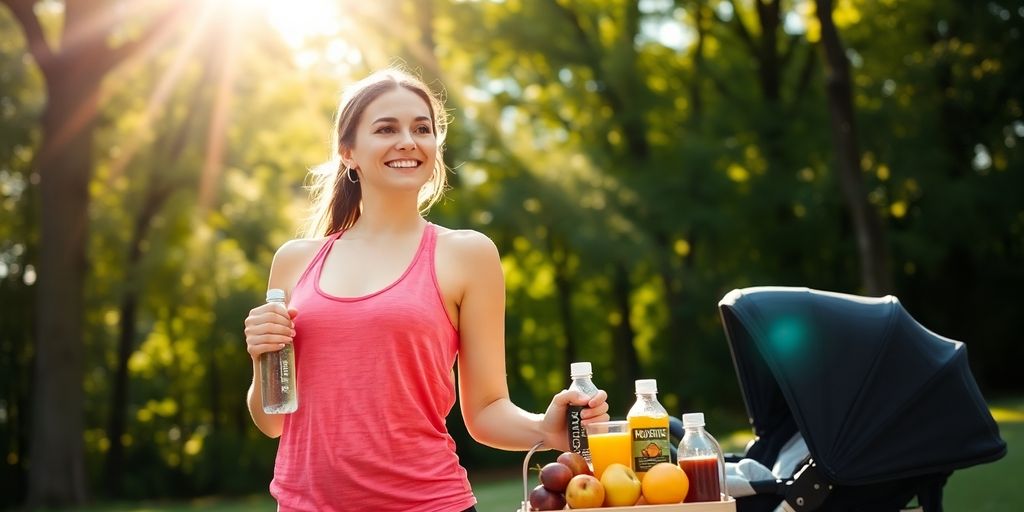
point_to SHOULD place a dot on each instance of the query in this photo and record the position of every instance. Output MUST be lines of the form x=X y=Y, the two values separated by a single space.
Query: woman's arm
x=490 y=415
x=269 y=326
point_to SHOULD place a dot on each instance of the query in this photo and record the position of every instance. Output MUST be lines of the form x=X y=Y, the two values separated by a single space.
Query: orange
x=665 y=483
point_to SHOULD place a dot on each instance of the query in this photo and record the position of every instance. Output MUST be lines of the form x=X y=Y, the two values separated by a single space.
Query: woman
x=379 y=308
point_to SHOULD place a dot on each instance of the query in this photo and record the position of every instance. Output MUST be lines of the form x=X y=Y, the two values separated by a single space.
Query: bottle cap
x=647 y=386
x=580 y=370
x=275 y=295
x=693 y=419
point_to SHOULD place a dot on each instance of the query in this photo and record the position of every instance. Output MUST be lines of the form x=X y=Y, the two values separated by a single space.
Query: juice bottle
x=581 y=374
x=277 y=373
x=701 y=458
x=648 y=428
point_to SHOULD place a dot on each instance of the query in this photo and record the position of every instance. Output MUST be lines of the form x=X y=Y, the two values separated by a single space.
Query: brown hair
x=335 y=198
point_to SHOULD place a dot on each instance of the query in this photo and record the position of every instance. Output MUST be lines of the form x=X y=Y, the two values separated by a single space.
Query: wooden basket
x=711 y=506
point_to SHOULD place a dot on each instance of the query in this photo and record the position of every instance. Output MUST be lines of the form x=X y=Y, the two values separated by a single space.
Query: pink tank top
x=374 y=381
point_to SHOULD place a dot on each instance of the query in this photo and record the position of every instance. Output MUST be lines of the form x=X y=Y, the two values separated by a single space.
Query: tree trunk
x=696 y=98
x=157 y=192
x=57 y=476
x=563 y=284
x=871 y=247
x=674 y=299
x=769 y=62
x=119 y=400
x=155 y=197
x=626 y=363
x=73 y=76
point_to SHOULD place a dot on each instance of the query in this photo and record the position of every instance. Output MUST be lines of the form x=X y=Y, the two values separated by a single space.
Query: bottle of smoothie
x=701 y=458
x=648 y=428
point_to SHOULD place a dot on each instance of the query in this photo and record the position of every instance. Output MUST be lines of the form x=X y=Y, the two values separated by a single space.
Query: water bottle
x=277 y=372
x=581 y=374
x=701 y=458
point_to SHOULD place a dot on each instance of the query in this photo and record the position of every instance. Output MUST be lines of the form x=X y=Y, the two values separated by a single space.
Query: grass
x=995 y=486
x=985 y=488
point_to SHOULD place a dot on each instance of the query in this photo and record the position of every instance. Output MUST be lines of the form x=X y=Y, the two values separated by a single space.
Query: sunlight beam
x=213 y=163
x=296 y=20
x=164 y=88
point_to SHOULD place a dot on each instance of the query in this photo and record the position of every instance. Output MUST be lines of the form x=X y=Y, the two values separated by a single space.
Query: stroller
x=886 y=408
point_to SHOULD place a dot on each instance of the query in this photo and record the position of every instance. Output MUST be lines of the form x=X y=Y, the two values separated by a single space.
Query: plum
x=543 y=499
x=555 y=476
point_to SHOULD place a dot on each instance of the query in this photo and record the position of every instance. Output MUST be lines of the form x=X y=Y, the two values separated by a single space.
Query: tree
x=876 y=279
x=73 y=72
x=158 y=190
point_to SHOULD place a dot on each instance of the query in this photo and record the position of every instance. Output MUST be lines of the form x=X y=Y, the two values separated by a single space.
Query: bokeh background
x=633 y=160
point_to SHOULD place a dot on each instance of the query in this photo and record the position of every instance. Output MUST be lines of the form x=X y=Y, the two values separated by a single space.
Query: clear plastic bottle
x=277 y=373
x=648 y=428
x=581 y=374
x=701 y=458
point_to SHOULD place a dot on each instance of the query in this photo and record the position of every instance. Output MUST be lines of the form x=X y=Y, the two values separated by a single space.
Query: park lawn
x=989 y=487
x=995 y=486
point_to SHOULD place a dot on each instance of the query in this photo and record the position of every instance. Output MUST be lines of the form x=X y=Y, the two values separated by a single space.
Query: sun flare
x=296 y=20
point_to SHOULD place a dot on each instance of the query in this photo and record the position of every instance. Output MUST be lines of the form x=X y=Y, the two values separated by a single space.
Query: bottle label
x=650 y=447
x=578 y=433
x=285 y=376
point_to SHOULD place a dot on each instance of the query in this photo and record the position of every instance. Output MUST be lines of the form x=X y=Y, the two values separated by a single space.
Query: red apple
x=543 y=499
x=584 y=491
x=555 y=476
x=576 y=463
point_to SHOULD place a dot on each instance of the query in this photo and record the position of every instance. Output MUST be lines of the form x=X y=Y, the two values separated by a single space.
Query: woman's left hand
x=555 y=422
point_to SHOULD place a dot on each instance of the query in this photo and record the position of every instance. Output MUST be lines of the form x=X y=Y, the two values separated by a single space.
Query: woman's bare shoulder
x=467 y=260
x=296 y=254
x=465 y=243
x=300 y=247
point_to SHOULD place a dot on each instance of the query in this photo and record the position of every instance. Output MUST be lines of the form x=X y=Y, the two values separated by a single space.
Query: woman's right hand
x=268 y=328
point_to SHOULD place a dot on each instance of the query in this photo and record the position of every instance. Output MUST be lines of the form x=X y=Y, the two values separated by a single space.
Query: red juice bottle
x=701 y=458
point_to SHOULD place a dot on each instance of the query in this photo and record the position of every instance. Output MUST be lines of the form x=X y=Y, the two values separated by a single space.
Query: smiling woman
x=381 y=304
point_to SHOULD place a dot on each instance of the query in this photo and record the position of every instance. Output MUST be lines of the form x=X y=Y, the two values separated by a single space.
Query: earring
x=348 y=174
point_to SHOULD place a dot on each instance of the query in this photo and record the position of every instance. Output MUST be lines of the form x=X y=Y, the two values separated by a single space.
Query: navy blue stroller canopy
x=876 y=396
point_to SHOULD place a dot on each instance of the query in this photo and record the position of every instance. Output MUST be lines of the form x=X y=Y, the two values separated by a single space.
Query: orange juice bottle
x=648 y=428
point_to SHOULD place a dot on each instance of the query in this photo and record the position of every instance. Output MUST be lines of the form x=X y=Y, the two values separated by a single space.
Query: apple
x=555 y=476
x=576 y=463
x=543 y=499
x=621 y=486
x=584 y=491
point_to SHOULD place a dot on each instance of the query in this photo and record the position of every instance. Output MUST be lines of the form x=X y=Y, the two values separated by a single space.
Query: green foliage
x=589 y=142
x=21 y=102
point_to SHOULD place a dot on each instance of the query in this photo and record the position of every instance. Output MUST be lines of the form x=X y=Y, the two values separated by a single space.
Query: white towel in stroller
x=738 y=475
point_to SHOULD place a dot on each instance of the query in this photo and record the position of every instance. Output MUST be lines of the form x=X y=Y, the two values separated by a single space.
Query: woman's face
x=395 y=144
